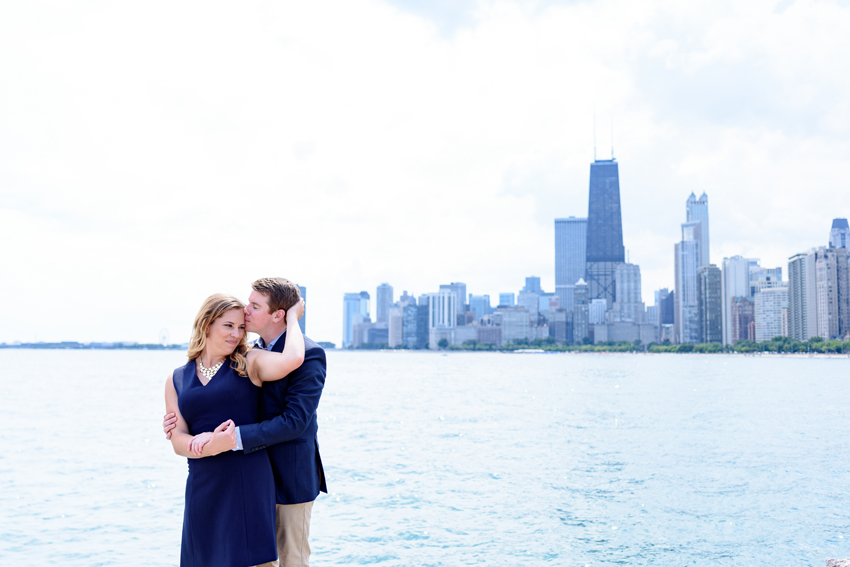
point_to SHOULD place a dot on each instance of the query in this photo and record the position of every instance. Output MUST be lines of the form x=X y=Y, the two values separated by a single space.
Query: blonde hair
x=214 y=307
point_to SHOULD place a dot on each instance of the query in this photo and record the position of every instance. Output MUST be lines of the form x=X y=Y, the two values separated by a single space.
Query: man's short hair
x=281 y=293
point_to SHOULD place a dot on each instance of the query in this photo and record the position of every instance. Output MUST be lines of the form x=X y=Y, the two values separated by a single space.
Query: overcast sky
x=152 y=153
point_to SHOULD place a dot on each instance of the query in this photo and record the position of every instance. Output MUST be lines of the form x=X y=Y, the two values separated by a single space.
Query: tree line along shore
x=783 y=345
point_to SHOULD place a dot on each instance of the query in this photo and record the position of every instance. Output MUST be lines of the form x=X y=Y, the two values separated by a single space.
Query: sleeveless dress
x=229 y=516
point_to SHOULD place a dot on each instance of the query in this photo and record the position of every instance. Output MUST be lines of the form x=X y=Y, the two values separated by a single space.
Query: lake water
x=458 y=459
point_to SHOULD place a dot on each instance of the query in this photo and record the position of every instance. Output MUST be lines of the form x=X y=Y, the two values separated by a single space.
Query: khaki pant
x=293 y=534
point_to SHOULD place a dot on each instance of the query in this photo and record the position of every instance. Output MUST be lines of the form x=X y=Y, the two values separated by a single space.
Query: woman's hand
x=196 y=444
x=295 y=312
x=169 y=422
x=223 y=439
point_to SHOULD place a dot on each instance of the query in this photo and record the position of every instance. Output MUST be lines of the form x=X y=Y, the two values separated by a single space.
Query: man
x=288 y=432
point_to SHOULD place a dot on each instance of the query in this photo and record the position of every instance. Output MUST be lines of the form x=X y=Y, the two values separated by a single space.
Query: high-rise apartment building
x=561 y=325
x=580 y=312
x=802 y=296
x=843 y=261
x=604 y=231
x=355 y=312
x=697 y=211
x=686 y=302
x=765 y=278
x=395 y=326
x=570 y=250
x=423 y=319
x=770 y=303
x=383 y=302
x=414 y=327
x=442 y=309
x=506 y=299
x=459 y=289
x=742 y=319
x=302 y=322
x=709 y=304
x=665 y=300
x=628 y=305
x=839 y=236
x=735 y=282
x=833 y=292
x=442 y=316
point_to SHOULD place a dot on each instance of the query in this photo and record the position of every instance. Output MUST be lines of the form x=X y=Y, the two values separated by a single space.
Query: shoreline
x=610 y=353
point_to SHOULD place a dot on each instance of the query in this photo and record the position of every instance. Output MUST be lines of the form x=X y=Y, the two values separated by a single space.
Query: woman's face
x=226 y=332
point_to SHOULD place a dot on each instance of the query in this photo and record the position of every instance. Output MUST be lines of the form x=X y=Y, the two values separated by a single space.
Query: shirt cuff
x=238 y=441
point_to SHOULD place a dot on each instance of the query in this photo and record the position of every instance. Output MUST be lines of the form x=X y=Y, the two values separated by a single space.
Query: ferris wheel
x=164 y=337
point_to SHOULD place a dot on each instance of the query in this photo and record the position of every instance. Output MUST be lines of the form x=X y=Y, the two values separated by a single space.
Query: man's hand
x=169 y=422
x=196 y=444
x=296 y=310
x=223 y=439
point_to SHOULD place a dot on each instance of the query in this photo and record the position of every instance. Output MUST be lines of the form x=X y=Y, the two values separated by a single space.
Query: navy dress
x=229 y=517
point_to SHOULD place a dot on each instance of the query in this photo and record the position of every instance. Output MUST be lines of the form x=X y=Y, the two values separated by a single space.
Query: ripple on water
x=466 y=459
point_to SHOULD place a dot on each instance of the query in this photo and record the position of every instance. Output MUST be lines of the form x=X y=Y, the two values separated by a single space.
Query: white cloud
x=151 y=154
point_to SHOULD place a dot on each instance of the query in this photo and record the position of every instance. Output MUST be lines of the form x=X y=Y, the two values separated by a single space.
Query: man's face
x=257 y=316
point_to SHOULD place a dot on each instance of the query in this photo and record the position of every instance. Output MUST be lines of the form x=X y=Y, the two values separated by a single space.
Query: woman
x=229 y=516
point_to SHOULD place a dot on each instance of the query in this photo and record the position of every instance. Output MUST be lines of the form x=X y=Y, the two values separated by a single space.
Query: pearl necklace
x=208 y=372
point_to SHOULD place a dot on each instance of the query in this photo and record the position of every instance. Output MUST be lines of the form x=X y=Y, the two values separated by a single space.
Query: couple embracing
x=246 y=420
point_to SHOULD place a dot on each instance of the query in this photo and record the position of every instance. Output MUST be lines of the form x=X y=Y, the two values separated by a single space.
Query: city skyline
x=742 y=300
x=144 y=189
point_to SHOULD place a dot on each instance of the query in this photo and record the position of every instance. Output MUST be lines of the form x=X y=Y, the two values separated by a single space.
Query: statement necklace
x=208 y=372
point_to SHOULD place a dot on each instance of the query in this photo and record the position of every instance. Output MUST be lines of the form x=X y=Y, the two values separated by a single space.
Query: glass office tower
x=605 y=248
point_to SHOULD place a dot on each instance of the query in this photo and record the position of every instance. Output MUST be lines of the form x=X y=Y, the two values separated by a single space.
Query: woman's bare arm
x=267 y=366
x=180 y=436
x=220 y=440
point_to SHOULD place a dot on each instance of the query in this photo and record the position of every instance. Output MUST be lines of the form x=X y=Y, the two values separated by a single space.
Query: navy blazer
x=288 y=430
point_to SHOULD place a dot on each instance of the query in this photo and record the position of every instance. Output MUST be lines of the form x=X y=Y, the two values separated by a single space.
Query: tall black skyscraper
x=604 y=230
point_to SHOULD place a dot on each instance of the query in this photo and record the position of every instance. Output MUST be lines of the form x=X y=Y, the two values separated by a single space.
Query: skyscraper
x=742 y=317
x=735 y=282
x=802 y=296
x=686 y=301
x=459 y=289
x=570 y=250
x=506 y=299
x=628 y=305
x=692 y=230
x=697 y=211
x=833 y=303
x=480 y=305
x=665 y=300
x=709 y=304
x=383 y=302
x=769 y=305
x=839 y=236
x=355 y=311
x=532 y=284
x=442 y=311
x=580 y=312
x=604 y=230
x=302 y=322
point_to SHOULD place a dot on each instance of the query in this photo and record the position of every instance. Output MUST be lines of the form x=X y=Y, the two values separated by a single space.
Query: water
x=458 y=459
